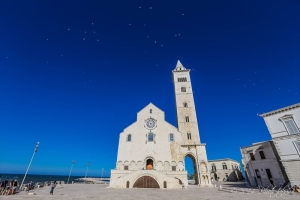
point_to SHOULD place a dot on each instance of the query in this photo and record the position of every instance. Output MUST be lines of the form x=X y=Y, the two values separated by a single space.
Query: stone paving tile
x=91 y=191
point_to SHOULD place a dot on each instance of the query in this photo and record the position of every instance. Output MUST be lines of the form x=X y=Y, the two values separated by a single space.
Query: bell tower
x=185 y=107
x=188 y=126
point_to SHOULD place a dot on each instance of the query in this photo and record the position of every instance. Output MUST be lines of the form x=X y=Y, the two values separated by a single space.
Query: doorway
x=269 y=176
x=146 y=182
x=191 y=168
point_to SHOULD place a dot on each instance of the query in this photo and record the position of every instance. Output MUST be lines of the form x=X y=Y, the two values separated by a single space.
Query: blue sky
x=75 y=73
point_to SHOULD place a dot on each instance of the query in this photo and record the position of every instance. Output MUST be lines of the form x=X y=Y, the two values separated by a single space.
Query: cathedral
x=152 y=151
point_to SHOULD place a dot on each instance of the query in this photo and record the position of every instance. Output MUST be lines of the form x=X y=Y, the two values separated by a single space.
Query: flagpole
x=35 y=150
x=71 y=170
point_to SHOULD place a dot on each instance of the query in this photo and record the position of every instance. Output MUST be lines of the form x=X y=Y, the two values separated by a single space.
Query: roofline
x=223 y=160
x=152 y=105
x=256 y=143
x=280 y=110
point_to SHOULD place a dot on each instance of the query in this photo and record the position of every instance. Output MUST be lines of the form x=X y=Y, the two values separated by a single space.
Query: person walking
x=53 y=185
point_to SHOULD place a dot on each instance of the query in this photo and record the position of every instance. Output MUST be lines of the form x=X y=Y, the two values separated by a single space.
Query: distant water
x=41 y=178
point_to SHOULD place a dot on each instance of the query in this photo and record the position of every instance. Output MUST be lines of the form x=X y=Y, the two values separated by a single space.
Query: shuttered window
x=291 y=126
x=297 y=144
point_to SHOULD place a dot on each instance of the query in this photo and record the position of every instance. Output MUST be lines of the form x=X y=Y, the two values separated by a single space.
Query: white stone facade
x=283 y=125
x=262 y=165
x=151 y=151
x=225 y=170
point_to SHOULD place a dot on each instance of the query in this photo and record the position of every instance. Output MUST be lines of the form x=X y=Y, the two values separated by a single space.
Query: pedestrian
x=15 y=185
x=6 y=183
x=2 y=187
x=53 y=185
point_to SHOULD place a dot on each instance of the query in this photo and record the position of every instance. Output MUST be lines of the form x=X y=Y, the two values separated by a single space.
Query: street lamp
x=73 y=161
x=87 y=167
x=35 y=150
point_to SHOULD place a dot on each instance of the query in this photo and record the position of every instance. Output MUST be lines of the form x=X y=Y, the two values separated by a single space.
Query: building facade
x=225 y=170
x=283 y=125
x=262 y=164
x=151 y=151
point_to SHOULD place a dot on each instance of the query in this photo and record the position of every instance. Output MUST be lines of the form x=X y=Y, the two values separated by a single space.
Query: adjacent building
x=283 y=125
x=225 y=170
x=151 y=151
x=262 y=164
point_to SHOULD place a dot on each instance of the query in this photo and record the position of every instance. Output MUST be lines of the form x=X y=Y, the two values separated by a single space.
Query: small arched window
x=187 y=119
x=189 y=136
x=185 y=104
x=150 y=111
x=129 y=138
x=165 y=184
x=183 y=89
x=150 y=137
x=171 y=137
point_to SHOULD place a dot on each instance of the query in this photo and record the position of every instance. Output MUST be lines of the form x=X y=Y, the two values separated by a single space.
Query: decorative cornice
x=297 y=105
x=191 y=145
x=224 y=159
x=284 y=137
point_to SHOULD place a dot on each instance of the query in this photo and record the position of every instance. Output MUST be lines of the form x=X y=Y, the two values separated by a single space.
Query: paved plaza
x=101 y=191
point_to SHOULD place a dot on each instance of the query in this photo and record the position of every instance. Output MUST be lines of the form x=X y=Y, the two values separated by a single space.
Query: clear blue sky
x=75 y=73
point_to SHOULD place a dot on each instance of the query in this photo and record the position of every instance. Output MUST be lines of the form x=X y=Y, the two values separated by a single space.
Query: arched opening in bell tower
x=191 y=168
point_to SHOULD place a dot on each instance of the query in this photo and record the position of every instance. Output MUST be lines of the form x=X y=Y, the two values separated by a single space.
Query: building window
x=150 y=137
x=213 y=167
x=187 y=119
x=297 y=145
x=127 y=184
x=290 y=125
x=252 y=156
x=171 y=137
x=185 y=104
x=189 y=136
x=173 y=168
x=126 y=167
x=150 y=111
x=224 y=165
x=262 y=155
x=165 y=184
x=257 y=173
x=129 y=138
x=183 y=89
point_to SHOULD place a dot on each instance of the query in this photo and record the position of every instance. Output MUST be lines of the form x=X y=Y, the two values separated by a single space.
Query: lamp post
x=73 y=161
x=35 y=150
x=87 y=167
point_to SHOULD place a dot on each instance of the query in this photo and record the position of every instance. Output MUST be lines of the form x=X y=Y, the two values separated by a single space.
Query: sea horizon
x=43 y=177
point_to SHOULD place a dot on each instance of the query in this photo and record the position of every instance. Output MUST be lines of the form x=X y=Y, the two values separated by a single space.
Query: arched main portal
x=191 y=164
x=146 y=182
